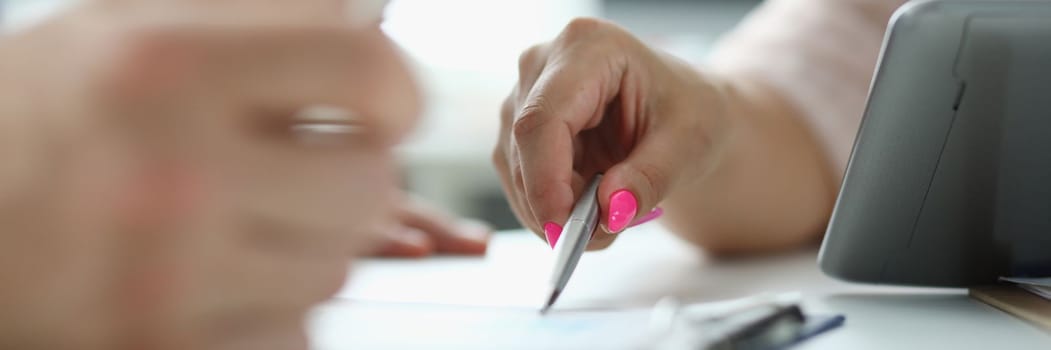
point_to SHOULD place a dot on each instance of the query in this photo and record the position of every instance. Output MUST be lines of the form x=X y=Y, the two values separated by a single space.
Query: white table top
x=648 y=264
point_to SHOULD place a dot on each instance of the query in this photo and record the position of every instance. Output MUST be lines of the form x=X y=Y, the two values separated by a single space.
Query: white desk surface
x=648 y=264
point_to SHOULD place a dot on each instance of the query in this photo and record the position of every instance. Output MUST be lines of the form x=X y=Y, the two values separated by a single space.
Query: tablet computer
x=949 y=182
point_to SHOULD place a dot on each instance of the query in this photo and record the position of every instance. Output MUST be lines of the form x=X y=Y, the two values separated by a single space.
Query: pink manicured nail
x=622 y=209
x=654 y=214
x=552 y=231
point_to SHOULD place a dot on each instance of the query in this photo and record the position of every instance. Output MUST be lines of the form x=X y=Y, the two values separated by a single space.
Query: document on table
x=1038 y=286
x=379 y=325
x=493 y=303
x=360 y=324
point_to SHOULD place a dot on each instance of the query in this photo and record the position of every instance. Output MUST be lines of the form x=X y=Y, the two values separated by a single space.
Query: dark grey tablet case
x=949 y=183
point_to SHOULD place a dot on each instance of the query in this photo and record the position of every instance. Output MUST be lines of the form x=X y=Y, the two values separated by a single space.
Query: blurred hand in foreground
x=189 y=175
x=422 y=230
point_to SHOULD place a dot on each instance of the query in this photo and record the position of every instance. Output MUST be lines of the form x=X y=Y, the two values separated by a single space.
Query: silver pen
x=574 y=239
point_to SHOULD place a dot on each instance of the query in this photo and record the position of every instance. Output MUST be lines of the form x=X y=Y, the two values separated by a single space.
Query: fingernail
x=552 y=231
x=654 y=214
x=414 y=237
x=622 y=209
x=475 y=230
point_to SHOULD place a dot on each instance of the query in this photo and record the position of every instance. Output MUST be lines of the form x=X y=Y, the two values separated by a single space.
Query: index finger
x=570 y=96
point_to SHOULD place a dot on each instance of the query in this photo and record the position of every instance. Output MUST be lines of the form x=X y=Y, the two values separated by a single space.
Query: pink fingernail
x=552 y=231
x=654 y=214
x=622 y=209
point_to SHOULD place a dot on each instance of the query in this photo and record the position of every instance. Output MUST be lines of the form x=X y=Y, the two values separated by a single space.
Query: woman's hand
x=178 y=175
x=727 y=154
x=422 y=229
x=596 y=100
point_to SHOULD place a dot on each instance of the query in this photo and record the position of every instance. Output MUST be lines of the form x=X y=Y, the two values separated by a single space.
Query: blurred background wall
x=465 y=53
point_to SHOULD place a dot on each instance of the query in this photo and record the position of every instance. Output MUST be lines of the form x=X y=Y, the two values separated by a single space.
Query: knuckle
x=528 y=58
x=132 y=58
x=519 y=92
x=499 y=160
x=141 y=47
x=530 y=118
x=592 y=38
x=507 y=111
x=517 y=182
x=583 y=26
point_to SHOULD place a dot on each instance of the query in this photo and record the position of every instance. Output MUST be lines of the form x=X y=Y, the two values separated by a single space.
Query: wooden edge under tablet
x=1018 y=302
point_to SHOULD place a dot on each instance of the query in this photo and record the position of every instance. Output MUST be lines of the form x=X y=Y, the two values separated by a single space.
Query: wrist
x=766 y=188
x=714 y=109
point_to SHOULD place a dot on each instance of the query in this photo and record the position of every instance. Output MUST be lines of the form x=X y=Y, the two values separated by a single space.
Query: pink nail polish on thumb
x=622 y=209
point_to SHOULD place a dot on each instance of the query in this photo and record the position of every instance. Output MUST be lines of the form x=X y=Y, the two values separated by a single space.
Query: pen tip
x=550 y=301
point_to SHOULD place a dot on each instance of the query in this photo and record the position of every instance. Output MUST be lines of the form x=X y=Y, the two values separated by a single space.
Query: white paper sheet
x=1039 y=286
x=363 y=324
x=1042 y=282
x=344 y=325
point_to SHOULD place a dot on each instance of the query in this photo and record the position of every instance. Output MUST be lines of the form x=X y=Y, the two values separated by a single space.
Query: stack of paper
x=1029 y=301
x=1038 y=286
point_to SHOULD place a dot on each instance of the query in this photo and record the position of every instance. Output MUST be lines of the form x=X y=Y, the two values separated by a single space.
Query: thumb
x=636 y=186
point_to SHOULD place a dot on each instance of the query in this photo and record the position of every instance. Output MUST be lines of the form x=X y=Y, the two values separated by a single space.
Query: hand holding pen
x=596 y=100
x=744 y=153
